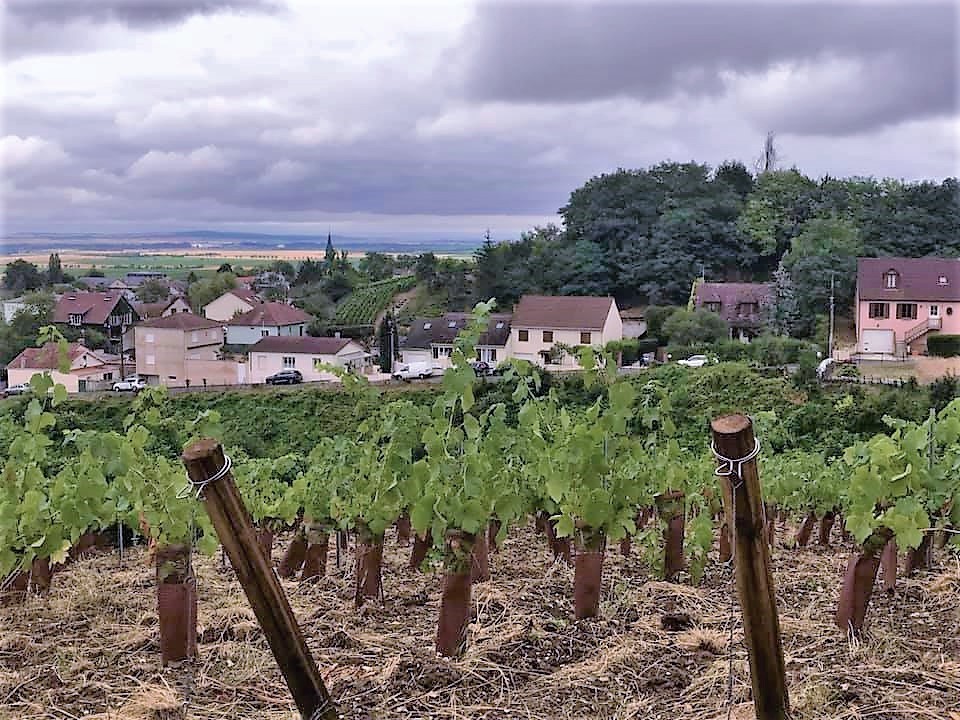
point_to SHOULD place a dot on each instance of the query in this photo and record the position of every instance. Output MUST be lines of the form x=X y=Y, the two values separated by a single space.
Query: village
x=904 y=313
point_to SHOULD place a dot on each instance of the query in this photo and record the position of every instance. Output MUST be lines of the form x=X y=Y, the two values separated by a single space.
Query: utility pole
x=830 y=336
x=390 y=326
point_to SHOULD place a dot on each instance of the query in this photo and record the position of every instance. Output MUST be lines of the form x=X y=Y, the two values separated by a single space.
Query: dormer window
x=75 y=319
x=713 y=306
x=452 y=324
x=500 y=325
x=427 y=326
x=891 y=280
x=942 y=280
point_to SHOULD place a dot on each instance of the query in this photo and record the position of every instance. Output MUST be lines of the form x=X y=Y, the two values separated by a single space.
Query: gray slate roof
x=444 y=330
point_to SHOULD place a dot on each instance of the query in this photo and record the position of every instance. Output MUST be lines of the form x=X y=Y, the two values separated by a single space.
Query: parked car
x=481 y=368
x=285 y=377
x=21 y=389
x=694 y=361
x=409 y=371
x=133 y=383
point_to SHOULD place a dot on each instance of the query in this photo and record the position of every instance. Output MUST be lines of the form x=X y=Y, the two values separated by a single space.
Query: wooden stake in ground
x=209 y=472
x=733 y=440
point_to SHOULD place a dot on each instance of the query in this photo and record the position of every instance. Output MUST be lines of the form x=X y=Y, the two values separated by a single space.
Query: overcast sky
x=296 y=115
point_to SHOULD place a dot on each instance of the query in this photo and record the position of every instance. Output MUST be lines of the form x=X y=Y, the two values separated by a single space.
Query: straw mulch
x=89 y=650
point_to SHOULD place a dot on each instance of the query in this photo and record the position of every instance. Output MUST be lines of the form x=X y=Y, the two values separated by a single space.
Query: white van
x=409 y=371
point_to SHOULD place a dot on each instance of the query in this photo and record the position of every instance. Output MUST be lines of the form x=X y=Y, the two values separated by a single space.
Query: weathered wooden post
x=736 y=450
x=209 y=472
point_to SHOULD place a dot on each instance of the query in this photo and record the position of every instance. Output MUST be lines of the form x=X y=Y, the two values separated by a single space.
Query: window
x=317 y=361
x=880 y=310
x=452 y=324
x=548 y=335
x=436 y=353
x=713 y=306
x=585 y=338
x=427 y=326
x=523 y=335
x=891 y=279
x=301 y=331
x=949 y=311
x=289 y=361
x=108 y=376
x=906 y=311
x=264 y=333
x=942 y=280
x=934 y=311
x=500 y=325
x=151 y=360
x=76 y=318
x=747 y=309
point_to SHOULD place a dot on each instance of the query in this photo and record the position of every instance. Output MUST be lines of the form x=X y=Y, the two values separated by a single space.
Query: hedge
x=943 y=345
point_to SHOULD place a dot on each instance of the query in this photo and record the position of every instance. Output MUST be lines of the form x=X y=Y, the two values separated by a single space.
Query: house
x=900 y=302
x=89 y=369
x=271 y=282
x=95 y=282
x=544 y=328
x=12 y=307
x=183 y=349
x=634 y=322
x=275 y=353
x=741 y=305
x=170 y=306
x=230 y=304
x=107 y=312
x=266 y=319
x=431 y=339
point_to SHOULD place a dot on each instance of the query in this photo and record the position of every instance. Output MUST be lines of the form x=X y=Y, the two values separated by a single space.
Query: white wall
x=535 y=344
x=264 y=364
x=249 y=334
x=226 y=307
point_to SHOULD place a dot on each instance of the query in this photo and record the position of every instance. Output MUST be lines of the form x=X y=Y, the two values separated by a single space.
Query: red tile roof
x=568 y=312
x=150 y=310
x=180 y=321
x=247 y=295
x=95 y=307
x=272 y=314
x=918 y=279
x=304 y=345
x=47 y=357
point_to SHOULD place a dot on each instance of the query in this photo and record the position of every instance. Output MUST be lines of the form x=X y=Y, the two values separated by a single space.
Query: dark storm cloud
x=134 y=13
x=572 y=53
x=41 y=26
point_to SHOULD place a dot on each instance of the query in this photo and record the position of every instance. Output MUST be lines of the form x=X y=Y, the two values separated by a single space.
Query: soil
x=90 y=649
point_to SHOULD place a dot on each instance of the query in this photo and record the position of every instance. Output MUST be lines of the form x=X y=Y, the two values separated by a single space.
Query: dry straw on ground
x=90 y=650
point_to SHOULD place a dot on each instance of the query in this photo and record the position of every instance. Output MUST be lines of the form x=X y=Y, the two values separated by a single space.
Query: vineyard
x=362 y=306
x=450 y=561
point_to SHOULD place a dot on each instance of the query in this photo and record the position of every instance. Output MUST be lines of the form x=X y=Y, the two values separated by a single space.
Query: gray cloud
x=41 y=26
x=571 y=53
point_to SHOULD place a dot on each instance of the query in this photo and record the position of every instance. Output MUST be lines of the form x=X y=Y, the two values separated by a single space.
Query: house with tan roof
x=89 y=369
x=901 y=302
x=231 y=303
x=184 y=349
x=266 y=320
x=431 y=339
x=544 y=327
x=270 y=355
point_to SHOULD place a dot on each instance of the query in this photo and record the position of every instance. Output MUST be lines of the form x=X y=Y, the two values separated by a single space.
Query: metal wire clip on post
x=201 y=486
x=733 y=471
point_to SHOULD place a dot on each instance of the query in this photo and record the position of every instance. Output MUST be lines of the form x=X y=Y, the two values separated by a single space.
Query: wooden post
x=743 y=504
x=204 y=459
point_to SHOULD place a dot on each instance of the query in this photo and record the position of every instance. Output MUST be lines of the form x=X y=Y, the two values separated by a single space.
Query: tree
x=310 y=271
x=22 y=276
x=735 y=174
x=783 y=314
x=283 y=267
x=152 y=291
x=54 y=269
x=687 y=327
x=25 y=325
x=656 y=316
x=337 y=286
x=224 y=268
x=376 y=266
x=426 y=268
x=206 y=291
x=388 y=339
x=192 y=278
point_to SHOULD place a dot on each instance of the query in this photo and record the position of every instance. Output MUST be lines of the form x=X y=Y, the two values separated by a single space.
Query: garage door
x=876 y=341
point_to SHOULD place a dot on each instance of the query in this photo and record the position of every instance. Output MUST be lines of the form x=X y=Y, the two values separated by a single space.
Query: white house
x=431 y=339
x=89 y=369
x=230 y=304
x=12 y=307
x=265 y=320
x=275 y=353
x=544 y=327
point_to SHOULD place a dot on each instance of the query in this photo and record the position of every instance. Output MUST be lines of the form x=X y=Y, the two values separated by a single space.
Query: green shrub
x=943 y=345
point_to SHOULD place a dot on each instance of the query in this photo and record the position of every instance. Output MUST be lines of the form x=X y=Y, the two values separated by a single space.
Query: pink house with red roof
x=900 y=302
x=89 y=369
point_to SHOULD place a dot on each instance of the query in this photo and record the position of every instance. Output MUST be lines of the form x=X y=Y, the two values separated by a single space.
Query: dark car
x=285 y=377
